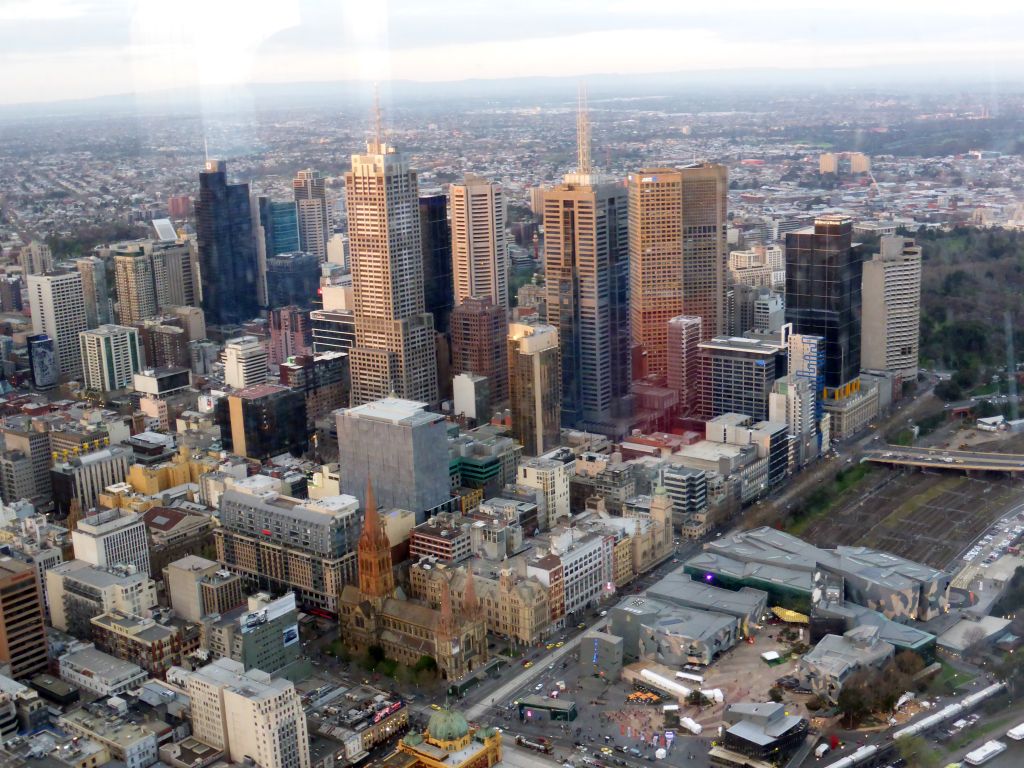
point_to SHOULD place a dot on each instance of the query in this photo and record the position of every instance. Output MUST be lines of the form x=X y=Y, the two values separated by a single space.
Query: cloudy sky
x=60 y=49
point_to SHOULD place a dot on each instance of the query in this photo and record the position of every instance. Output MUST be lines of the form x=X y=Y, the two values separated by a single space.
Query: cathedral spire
x=470 y=603
x=446 y=624
x=376 y=572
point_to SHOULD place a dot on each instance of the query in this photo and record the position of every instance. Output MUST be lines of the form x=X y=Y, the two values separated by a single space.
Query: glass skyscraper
x=280 y=222
x=437 y=260
x=227 y=250
x=823 y=297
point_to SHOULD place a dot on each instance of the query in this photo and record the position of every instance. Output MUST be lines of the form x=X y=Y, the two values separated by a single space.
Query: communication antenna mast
x=378 y=123
x=1011 y=367
x=582 y=133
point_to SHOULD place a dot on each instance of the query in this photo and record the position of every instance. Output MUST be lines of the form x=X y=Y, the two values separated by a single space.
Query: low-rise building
x=153 y=645
x=830 y=663
x=77 y=591
x=99 y=673
x=132 y=744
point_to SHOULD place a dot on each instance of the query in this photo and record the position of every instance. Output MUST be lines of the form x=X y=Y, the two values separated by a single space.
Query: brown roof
x=163 y=518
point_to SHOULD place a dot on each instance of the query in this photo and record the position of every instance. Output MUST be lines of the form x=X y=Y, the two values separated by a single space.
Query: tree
x=775 y=694
x=908 y=662
x=917 y=753
x=425 y=663
x=975 y=644
x=856 y=699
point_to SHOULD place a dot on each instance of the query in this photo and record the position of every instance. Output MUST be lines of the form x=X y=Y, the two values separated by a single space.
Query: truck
x=821 y=750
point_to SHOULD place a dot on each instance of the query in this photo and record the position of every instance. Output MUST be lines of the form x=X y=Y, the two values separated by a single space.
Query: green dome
x=446 y=725
x=413 y=739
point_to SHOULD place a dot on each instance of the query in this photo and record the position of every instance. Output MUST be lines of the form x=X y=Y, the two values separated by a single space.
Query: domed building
x=448 y=742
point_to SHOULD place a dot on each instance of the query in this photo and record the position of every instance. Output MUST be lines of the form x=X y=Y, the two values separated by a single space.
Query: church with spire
x=376 y=612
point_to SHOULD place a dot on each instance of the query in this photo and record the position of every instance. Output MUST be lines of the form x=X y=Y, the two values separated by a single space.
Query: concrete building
x=891 y=295
x=35 y=258
x=586 y=269
x=22 y=630
x=683 y=361
x=398 y=447
x=99 y=673
x=30 y=438
x=549 y=475
x=57 y=303
x=133 y=281
x=688 y=489
x=394 y=348
x=479 y=328
x=479 y=251
x=110 y=538
x=248 y=714
x=534 y=369
x=111 y=357
x=245 y=362
x=677 y=254
x=748 y=605
x=174 y=533
x=130 y=743
x=652 y=630
x=84 y=477
x=262 y=635
x=197 y=587
x=155 y=644
x=77 y=591
x=310 y=192
x=279 y=543
x=738 y=375
x=291 y=334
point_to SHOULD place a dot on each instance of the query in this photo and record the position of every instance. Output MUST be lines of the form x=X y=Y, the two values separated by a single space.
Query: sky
x=54 y=50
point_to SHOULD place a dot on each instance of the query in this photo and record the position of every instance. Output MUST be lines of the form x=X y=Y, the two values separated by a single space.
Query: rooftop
x=396 y=411
x=93 y=663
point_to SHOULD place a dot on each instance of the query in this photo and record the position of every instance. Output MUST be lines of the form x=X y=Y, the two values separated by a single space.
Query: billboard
x=253 y=620
x=290 y=635
x=42 y=361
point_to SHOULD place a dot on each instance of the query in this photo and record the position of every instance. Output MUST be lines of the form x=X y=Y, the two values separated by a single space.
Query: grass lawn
x=950 y=675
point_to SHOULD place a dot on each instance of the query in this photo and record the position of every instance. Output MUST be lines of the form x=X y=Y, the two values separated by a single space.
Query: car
x=538 y=687
x=528 y=664
x=435 y=707
x=550 y=646
x=581 y=625
x=559 y=644
x=606 y=750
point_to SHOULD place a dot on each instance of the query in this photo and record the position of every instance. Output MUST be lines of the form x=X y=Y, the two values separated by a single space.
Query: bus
x=539 y=744
x=1016 y=733
x=984 y=753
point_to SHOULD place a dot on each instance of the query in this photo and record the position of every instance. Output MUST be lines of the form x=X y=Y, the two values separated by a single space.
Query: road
x=940 y=458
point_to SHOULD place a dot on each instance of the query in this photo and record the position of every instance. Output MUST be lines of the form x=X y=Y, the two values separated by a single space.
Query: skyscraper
x=314 y=218
x=227 y=250
x=823 y=297
x=677 y=254
x=136 y=290
x=684 y=362
x=479 y=251
x=245 y=362
x=292 y=279
x=586 y=265
x=478 y=330
x=57 y=303
x=96 y=290
x=439 y=290
x=534 y=386
x=394 y=351
x=276 y=225
x=111 y=356
x=892 y=308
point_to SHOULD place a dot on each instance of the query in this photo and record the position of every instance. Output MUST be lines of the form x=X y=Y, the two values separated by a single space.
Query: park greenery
x=870 y=691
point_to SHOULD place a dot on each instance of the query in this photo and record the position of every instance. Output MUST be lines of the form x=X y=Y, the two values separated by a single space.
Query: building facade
x=478 y=331
x=891 y=294
x=479 y=251
x=111 y=356
x=683 y=360
x=310 y=191
x=57 y=303
x=535 y=386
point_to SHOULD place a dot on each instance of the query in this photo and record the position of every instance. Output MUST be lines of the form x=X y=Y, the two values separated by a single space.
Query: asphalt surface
x=940 y=458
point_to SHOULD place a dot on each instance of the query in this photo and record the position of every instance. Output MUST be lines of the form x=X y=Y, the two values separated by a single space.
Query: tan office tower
x=534 y=386
x=586 y=266
x=479 y=251
x=57 y=303
x=314 y=218
x=677 y=254
x=22 y=634
x=394 y=352
x=891 y=315
x=136 y=289
x=684 y=362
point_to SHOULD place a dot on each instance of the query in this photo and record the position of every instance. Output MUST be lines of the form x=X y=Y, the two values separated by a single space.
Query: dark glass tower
x=227 y=250
x=280 y=223
x=823 y=283
x=292 y=279
x=438 y=288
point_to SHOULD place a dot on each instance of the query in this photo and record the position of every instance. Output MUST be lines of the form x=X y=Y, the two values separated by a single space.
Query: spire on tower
x=378 y=124
x=582 y=133
x=470 y=603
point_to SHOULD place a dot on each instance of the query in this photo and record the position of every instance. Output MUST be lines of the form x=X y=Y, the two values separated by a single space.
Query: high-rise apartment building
x=586 y=267
x=57 y=302
x=891 y=293
x=111 y=356
x=398 y=447
x=479 y=329
x=22 y=630
x=36 y=258
x=438 y=286
x=173 y=274
x=310 y=190
x=677 y=254
x=96 y=283
x=823 y=297
x=535 y=390
x=479 y=250
x=245 y=362
x=248 y=715
x=280 y=543
x=395 y=347
x=110 y=538
x=228 y=266
x=684 y=362
x=136 y=290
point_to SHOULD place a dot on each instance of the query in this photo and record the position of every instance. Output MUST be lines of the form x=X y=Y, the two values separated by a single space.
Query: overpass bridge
x=941 y=458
